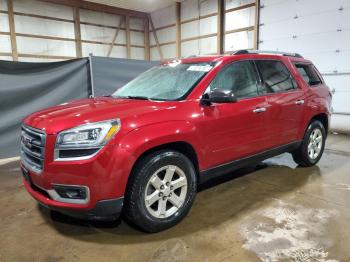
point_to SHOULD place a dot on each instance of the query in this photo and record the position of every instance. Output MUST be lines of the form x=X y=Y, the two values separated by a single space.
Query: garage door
x=320 y=31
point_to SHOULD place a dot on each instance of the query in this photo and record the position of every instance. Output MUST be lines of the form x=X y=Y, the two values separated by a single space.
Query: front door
x=235 y=130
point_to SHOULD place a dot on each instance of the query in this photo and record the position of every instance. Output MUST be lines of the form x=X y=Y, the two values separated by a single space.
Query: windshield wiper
x=134 y=97
x=138 y=97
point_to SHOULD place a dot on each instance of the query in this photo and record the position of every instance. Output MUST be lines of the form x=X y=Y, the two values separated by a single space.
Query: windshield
x=165 y=82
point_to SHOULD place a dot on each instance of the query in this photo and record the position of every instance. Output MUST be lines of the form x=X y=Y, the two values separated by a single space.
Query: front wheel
x=161 y=191
x=312 y=146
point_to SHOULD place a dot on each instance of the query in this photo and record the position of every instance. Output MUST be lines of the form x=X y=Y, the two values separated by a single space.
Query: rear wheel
x=161 y=191
x=312 y=146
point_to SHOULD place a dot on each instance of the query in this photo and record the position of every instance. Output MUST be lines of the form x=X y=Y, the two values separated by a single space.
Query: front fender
x=141 y=139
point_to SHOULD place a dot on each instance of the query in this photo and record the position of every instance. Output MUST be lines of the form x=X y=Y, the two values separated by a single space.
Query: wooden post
x=12 y=30
x=256 y=24
x=146 y=39
x=115 y=36
x=77 y=32
x=178 y=29
x=156 y=38
x=221 y=27
x=128 y=45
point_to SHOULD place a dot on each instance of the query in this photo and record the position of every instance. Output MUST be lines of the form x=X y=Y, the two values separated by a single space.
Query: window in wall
x=239 y=77
x=309 y=74
x=276 y=76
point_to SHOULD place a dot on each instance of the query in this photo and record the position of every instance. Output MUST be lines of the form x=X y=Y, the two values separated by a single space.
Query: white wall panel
x=96 y=33
x=169 y=51
x=99 y=18
x=42 y=8
x=189 y=9
x=190 y=29
x=31 y=25
x=164 y=17
x=303 y=26
x=136 y=23
x=3 y=5
x=319 y=31
x=341 y=85
x=340 y=123
x=137 y=38
x=208 y=7
x=239 y=19
x=199 y=27
x=208 y=45
x=45 y=47
x=208 y=25
x=121 y=37
x=119 y=51
x=101 y=50
x=7 y=58
x=5 y=44
x=38 y=60
x=272 y=11
x=240 y=40
x=166 y=35
x=4 y=23
x=189 y=48
x=137 y=53
x=229 y=4
x=101 y=34
x=95 y=49
x=154 y=54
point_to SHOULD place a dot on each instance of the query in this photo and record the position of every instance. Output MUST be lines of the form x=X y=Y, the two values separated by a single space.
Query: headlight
x=84 y=141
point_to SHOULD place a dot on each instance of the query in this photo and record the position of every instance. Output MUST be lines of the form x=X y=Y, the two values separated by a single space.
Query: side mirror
x=218 y=96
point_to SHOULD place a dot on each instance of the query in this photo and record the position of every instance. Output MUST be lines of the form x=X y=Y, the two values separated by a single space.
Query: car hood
x=68 y=115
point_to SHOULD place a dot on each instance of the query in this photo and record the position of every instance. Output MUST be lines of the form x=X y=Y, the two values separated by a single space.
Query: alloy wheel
x=166 y=191
x=315 y=144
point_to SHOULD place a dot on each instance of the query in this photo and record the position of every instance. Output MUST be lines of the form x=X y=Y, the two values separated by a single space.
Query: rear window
x=308 y=72
x=276 y=76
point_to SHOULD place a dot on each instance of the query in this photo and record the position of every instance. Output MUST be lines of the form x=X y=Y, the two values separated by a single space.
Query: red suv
x=143 y=150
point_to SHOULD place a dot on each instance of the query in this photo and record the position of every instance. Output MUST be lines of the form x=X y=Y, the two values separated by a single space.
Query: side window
x=276 y=76
x=238 y=77
x=309 y=74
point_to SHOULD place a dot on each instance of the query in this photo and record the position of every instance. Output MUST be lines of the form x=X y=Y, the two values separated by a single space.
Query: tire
x=303 y=156
x=160 y=212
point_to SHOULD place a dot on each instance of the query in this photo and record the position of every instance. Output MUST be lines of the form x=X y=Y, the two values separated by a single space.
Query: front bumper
x=104 y=210
x=105 y=176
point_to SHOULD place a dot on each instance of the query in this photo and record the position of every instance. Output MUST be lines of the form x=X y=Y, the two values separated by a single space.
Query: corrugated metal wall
x=320 y=31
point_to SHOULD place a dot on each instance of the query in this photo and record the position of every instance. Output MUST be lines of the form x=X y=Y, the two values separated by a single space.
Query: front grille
x=33 y=148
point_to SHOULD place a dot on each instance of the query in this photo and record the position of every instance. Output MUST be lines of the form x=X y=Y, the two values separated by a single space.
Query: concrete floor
x=273 y=212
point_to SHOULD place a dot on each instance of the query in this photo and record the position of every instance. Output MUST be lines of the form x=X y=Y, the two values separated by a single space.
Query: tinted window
x=239 y=77
x=309 y=74
x=276 y=76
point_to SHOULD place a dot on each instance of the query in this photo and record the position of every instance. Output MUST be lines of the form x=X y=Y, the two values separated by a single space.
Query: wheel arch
x=183 y=147
x=323 y=118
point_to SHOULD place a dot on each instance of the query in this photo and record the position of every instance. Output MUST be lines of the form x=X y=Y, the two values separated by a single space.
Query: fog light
x=71 y=192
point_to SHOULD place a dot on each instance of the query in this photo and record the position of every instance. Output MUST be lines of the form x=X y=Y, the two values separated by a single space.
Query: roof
x=254 y=54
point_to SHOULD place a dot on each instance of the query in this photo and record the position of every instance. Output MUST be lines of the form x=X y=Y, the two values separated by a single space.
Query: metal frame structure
x=124 y=24
x=76 y=7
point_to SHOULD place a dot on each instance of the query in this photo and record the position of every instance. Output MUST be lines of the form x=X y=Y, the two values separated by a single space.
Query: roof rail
x=245 y=51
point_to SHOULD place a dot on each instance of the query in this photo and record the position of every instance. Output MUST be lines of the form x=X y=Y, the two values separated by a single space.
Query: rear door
x=285 y=102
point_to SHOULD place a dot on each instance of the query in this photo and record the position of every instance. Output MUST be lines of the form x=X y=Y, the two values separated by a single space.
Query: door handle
x=259 y=110
x=299 y=102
